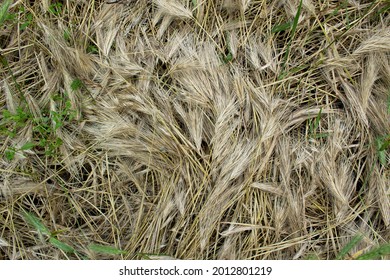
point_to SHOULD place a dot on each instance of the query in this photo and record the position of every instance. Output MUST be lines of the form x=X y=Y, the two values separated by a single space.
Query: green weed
x=373 y=254
x=52 y=238
x=382 y=145
x=11 y=151
x=44 y=128
x=28 y=19
x=93 y=49
x=344 y=254
x=293 y=30
x=55 y=8
x=11 y=123
x=61 y=245
x=76 y=84
x=227 y=58
x=4 y=15
x=344 y=251
x=384 y=9
x=314 y=125
x=228 y=55
x=23 y=18
x=281 y=27
x=66 y=34
x=376 y=253
x=35 y=222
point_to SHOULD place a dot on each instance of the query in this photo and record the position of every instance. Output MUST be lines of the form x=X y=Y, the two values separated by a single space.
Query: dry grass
x=198 y=131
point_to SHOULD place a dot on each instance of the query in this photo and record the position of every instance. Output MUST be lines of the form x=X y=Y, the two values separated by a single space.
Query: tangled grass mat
x=178 y=129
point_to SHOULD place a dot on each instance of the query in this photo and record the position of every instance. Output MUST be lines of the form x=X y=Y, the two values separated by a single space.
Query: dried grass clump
x=199 y=130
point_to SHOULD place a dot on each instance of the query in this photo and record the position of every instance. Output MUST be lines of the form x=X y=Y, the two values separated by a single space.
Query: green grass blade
x=319 y=135
x=351 y=244
x=4 y=11
x=376 y=253
x=293 y=29
x=76 y=84
x=36 y=223
x=317 y=121
x=382 y=158
x=106 y=249
x=385 y=143
x=382 y=144
x=10 y=153
x=228 y=58
x=296 y=18
x=27 y=146
x=281 y=27
x=61 y=245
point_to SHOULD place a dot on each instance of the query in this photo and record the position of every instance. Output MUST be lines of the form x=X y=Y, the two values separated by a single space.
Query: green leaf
x=317 y=121
x=382 y=157
x=36 y=223
x=376 y=253
x=384 y=9
x=55 y=8
x=27 y=22
x=4 y=11
x=76 y=84
x=57 y=97
x=281 y=27
x=385 y=144
x=61 y=245
x=58 y=142
x=66 y=35
x=10 y=154
x=296 y=18
x=350 y=245
x=27 y=146
x=388 y=102
x=293 y=29
x=382 y=144
x=10 y=17
x=11 y=133
x=227 y=58
x=24 y=25
x=106 y=249
x=7 y=114
x=4 y=61
x=319 y=135
x=92 y=49
x=42 y=142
